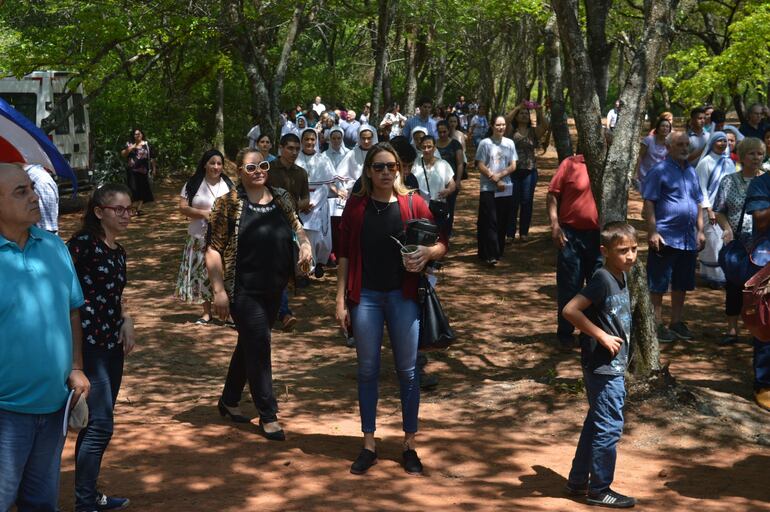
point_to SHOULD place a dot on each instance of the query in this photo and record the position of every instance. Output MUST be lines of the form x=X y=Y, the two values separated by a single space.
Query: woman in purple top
x=653 y=150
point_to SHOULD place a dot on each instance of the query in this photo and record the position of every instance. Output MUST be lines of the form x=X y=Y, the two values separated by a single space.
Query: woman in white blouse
x=198 y=194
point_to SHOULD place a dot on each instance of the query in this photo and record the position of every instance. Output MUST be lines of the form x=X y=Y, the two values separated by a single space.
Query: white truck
x=35 y=96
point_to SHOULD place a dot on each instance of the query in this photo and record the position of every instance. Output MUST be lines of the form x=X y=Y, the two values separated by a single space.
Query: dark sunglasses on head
x=380 y=166
x=263 y=166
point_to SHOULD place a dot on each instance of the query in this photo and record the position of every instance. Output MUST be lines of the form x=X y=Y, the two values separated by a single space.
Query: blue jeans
x=283 y=309
x=524 y=182
x=575 y=265
x=761 y=365
x=30 y=457
x=594 y=461
x=401 y=315
x=104 y=369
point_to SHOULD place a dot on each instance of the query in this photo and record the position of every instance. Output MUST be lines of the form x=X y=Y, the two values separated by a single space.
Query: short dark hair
x=718 y=116
x=289 y=137
x=613 y=232
x=425 y=99
x=406 y=151
x=697 y=111
x=430 y=138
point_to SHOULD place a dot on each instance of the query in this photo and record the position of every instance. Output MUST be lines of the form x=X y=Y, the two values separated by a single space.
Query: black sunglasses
x=380 y=166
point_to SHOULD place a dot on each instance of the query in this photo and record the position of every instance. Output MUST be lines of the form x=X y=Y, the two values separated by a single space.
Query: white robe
x=317 y=222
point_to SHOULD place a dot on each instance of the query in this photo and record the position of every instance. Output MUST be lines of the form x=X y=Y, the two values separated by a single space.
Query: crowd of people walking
x=338 y=194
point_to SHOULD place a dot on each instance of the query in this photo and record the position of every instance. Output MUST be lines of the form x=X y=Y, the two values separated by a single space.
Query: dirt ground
x=498 y=433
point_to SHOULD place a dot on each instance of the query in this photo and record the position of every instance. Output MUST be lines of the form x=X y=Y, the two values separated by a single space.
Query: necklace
x=380 y=210
x=213 y=193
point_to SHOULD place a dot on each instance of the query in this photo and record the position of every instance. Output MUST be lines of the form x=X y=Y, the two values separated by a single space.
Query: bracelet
x=77 y=369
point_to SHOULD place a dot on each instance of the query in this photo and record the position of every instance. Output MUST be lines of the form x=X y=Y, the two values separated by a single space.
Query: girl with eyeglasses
x=250 y=258
x=108 y=332
x=377 y=286
x=198 y=195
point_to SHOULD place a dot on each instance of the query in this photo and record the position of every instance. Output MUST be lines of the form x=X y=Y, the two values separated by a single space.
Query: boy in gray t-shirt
x=602 y=312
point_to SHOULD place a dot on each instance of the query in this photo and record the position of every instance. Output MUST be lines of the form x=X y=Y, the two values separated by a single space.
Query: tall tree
x=610 y=170
x=553 y=72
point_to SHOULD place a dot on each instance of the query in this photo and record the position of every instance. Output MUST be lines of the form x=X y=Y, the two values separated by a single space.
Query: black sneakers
x=610 y=499
x=412 y=464
x=365 y=460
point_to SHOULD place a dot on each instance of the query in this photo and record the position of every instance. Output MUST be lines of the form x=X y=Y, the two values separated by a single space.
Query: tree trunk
x=440 y=80
x=599 y=50
x=740 y=107
x=219 y=125
x=553 y=76
x=645 y=359
x=387 y=89
x=265 y=78
x=385 y=10
x=585 y=101
x=410 y=92
x=609 y=174
x=640 y=83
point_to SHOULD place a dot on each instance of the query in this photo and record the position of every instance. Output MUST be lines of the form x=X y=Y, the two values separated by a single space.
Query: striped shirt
x=48 y=192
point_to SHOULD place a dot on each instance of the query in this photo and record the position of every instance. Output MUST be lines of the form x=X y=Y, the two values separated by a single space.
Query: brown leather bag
x=756 y=304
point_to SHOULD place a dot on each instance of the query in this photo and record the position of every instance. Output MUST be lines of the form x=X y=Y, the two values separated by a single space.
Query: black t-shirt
x=448 y=153
x=102 y=274
x=265 y=254
x=610 y=310
x=380 y=254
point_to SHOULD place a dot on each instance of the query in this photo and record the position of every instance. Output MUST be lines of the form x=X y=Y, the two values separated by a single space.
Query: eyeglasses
x=262 y=166
x=380 y=166
x=120 y=211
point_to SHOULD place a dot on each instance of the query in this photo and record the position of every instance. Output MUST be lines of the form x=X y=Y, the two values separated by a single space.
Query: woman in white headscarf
x=337 y=149
x=320 y=177
x=352 y=165
x=714 y=164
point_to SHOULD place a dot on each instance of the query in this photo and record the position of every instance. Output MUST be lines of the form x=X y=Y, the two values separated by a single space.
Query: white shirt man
x=318 y=107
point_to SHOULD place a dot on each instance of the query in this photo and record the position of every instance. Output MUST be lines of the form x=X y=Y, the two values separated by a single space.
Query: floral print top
x=102 y=274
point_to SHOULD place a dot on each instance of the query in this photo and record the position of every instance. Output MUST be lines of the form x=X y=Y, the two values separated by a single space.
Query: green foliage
x=743 y=63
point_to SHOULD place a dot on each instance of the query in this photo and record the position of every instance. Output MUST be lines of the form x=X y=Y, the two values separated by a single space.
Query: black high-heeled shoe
x=278 y=435
x=225 y=411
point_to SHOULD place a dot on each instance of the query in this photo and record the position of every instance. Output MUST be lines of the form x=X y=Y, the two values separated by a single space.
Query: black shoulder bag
x=435 y=331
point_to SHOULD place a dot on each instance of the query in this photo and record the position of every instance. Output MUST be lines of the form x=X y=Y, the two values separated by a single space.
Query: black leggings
x=733 y=299
x=254 y=317
x=492 y=224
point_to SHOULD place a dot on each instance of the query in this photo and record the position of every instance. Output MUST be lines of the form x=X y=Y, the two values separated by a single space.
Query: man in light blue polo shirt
x=40 y=348
x=424 y=119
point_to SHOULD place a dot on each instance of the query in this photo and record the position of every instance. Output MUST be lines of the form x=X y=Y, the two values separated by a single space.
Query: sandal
x=728 y=339
x=202 y=321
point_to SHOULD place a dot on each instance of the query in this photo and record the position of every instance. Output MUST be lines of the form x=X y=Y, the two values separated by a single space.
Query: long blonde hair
x=366 y=181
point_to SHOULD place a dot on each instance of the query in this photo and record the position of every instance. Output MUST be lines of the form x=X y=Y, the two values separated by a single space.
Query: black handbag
x=420 y=231
x=435 y=331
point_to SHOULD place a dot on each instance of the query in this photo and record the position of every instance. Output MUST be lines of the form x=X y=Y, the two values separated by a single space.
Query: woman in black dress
x=141 y=162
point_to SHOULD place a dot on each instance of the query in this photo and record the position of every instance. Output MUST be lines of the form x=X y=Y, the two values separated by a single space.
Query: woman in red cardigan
x=375 y=287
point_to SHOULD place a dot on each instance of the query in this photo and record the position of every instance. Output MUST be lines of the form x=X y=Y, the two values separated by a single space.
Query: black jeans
x=494 y=216
x=254 y=316
x=575 y=265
